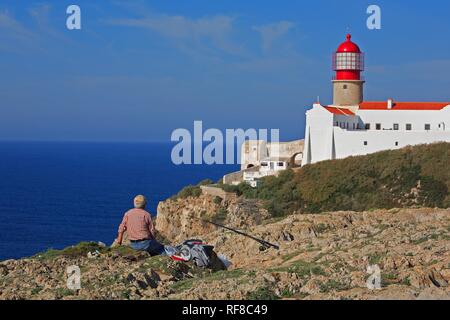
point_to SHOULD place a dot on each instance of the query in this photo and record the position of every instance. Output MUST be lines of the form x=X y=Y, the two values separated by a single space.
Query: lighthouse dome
x=348 y=46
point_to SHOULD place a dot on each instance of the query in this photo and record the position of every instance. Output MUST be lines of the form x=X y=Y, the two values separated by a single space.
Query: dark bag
x=200 y=253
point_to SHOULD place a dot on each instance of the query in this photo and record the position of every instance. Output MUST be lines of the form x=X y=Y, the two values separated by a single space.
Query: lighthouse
x=348 y=127
x=348 y=63
x=353 y=127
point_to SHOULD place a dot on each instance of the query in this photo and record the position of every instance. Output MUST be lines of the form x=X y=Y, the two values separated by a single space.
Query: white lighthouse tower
x=348 y=63
x=351 y=126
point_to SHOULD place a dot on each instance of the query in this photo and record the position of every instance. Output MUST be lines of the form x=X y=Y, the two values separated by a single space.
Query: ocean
x=56 y=194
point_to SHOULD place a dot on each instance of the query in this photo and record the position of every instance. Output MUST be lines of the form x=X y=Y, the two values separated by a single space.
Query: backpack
x=200 y=253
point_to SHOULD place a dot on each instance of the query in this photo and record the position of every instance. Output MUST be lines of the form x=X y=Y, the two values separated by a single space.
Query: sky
x=137 y=70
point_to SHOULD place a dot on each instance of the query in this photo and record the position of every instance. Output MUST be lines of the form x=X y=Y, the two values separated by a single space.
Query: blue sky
x=140 y=69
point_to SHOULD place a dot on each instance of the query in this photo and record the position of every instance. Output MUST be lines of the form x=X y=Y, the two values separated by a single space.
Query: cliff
x=181 y=219
x=323 y=256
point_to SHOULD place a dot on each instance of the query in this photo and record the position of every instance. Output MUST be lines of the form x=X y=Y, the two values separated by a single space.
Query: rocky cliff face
x=181 y=219
x=323 y=256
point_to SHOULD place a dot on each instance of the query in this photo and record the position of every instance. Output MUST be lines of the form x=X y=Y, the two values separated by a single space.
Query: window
x=337 y=123
x=408 y=126
x=378 y=126
x=264 y=164
x=367 y=126
x=365 y=143
x=348 y=61
x=353 y=126
x=427 y=126
x=396 y=143
x=281 y=164
x=396 y=126
x=345 y=87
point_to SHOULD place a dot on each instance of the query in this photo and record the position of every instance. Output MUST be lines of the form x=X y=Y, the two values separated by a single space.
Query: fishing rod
x=264 y=243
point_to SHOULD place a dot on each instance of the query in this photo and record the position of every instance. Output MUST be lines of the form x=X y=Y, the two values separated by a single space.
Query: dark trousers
x=151 y=246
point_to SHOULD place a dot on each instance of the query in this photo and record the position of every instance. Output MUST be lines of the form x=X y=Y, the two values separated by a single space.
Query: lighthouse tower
x=348 y=63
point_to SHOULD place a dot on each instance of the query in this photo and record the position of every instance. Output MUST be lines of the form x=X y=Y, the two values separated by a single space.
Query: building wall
x=233 y=178
x=387 y=118
x=351 y=143
x=253 y=152
x=330 y=136
x=318 y=135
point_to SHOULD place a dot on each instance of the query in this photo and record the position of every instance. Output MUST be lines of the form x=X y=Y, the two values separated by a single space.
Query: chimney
x=390 y=103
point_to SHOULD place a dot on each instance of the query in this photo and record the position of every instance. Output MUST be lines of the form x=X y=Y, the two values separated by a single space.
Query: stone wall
x=233 y=178
x=253 y=152
x=216 y=192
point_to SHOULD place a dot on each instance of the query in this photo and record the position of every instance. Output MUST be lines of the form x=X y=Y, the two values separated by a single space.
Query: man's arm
x=122 y=228
x=151 y=227
x=120 y=238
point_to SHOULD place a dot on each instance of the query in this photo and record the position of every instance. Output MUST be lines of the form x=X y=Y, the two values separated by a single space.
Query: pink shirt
x=138 y=224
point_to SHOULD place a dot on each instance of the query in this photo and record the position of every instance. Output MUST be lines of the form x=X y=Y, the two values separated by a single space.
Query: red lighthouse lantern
x=348 y=63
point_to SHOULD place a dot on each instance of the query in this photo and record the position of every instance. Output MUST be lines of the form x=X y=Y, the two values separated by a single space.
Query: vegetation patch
x=388 y=279
x=302 y=268
x=158 y=263
x=290 y=256
x=262 y=293
x=413 y=176
x=333 y=285
x=220 y=216
x=375 y=258
x=63 y=292
x=406 y=282
x=218 y=200
x=186 y=284
x=123 y=250
x=79 y=250
x=36 y=290
x=191 y=190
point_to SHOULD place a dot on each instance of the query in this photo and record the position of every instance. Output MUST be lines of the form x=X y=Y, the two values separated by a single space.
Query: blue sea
x=56 y=194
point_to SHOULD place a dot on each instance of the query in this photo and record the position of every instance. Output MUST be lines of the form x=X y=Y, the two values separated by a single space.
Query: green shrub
x=192 y=191
x=306 y=269
x=333 y=285
x=262 y=293
x=220 y=216
x=205 y=182
x=189 y=191
x=79 y=250
x=218 y=200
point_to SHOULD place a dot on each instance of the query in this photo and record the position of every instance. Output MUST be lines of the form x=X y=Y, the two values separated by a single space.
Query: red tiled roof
x=341 y=111
x=382 y=105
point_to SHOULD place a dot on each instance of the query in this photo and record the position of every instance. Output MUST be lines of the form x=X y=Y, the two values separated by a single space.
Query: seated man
x=139 y=226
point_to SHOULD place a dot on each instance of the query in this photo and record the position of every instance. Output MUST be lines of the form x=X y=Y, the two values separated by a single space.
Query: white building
x=268 y=167
x=352 y=127
x=261 y=159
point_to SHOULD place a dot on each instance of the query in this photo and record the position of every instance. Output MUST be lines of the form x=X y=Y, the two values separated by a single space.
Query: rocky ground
x=322 y=256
